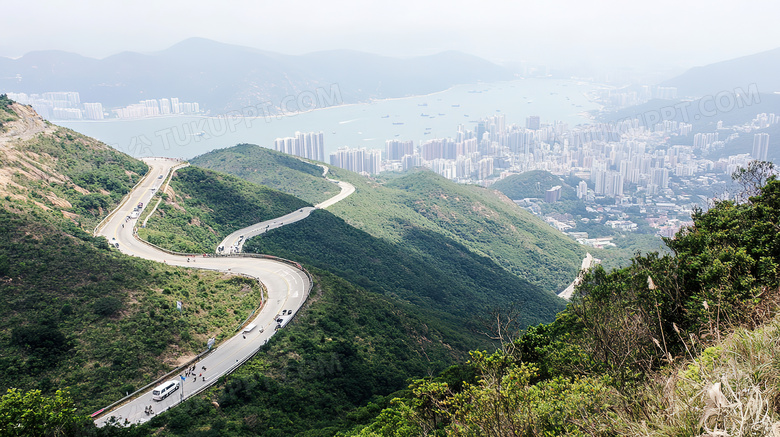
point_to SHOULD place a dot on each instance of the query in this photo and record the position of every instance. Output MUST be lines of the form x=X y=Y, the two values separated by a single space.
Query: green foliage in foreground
x=32 y=414
x=75 y=313
x=504 y=401
x=273 y=169
x=208 y=206
x=428 y=270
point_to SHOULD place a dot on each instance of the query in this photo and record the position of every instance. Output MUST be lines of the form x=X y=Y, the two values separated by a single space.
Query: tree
x=32 y=414
x=752 y=179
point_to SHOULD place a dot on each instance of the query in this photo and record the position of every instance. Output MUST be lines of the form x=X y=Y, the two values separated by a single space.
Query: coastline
x=236 y=113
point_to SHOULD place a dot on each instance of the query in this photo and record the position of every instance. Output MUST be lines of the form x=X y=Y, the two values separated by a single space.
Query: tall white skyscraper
x=357 y=160
x=396 y=149
x=93 y=111
x=165 y=106
x=761 y=146
x=309 y=145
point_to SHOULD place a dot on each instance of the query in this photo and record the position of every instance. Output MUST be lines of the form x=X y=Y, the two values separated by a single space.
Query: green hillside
x=478 y=218
x=425 y=268
x=427 y=302
x=270 y=168
x=77 y=314
x=202 y=207
x=533 y=184
x=428 y=270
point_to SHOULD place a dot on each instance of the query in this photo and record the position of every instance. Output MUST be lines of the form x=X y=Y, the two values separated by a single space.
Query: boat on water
x=456 y=106
x=386 y=116
x=441 y=115
x=422 y=104
x=398 y=123
x=424 y=115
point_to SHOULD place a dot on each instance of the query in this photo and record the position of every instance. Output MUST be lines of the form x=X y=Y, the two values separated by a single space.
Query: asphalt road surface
x=287 y=287
x=234 y=242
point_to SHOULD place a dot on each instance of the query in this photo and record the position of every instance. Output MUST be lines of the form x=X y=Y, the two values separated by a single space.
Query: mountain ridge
x=223 y=77
x=757 y=69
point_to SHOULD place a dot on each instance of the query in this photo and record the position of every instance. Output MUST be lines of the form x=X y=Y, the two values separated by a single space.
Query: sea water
x=369 y=125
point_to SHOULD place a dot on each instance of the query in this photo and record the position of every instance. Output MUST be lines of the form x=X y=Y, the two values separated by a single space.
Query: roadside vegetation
x=6 y=113
x=347 y=349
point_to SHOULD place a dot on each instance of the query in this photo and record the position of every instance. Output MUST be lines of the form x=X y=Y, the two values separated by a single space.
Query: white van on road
x=163 y=390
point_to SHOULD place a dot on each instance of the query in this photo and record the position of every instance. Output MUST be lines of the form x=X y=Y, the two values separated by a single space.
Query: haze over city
x=666 y=35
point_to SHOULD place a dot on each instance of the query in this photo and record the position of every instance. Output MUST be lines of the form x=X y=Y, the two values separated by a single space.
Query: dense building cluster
x=309 y=145
x=68 y=106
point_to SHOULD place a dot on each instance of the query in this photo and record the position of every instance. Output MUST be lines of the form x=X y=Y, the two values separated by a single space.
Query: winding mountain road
x=234 y=243
x=287 y=286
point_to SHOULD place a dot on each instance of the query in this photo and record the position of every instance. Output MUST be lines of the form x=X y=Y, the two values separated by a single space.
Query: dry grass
x=732 y=389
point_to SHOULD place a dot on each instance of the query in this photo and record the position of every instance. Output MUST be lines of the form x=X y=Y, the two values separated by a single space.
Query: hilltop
x=533 y=184
x=273 y=169
x=753 y=70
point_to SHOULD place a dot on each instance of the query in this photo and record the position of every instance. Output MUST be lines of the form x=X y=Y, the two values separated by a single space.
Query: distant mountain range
x=224 y=77
x=759 y=69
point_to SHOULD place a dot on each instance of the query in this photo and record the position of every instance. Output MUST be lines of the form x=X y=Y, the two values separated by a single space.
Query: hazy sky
x=674 y=33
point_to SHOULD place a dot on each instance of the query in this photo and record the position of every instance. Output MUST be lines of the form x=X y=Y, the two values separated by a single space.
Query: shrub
x=107 y=306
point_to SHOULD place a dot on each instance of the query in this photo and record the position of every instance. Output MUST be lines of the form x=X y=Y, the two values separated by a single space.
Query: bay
x=369 y=125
